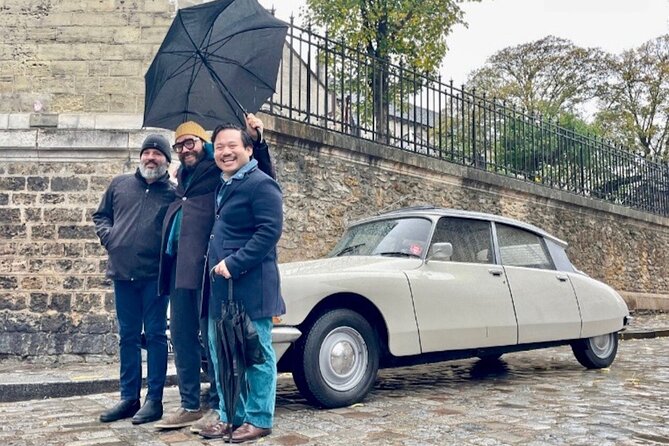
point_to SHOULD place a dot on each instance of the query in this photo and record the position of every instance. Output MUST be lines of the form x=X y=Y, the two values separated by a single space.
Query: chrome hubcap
x=343 y=358
x=602 y=346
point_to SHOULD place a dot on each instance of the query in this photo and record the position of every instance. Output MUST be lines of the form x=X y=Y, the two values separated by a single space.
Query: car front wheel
x=596 y=352
x=337 y=359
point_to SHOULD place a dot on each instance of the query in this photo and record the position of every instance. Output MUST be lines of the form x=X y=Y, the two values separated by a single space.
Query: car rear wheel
x=596 y=352
x=337 y=358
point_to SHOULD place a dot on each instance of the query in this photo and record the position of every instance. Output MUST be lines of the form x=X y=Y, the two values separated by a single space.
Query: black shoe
x=150 y=411
x=123 y=409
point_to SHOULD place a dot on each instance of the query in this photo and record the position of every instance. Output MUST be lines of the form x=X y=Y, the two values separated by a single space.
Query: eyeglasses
x=186 y=143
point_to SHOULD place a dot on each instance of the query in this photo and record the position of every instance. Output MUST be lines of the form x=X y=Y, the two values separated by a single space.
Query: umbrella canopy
x=218 y=61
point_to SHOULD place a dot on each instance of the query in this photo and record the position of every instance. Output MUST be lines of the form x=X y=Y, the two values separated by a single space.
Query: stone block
x=62 y=215
x=60 y=302
x=95 y=324
x=55 y=323
x=68 y=102
x=4 y=199
x=97 y=103
x=86 y=302
x=37 y=183
x=72 y=283
x=81 y=232
x=32 y=283
x=19 y=121
x=73 y=249
x=69 y=184
x=83 y=35
x=9 y=232
x=10 y=214
x=124 y=103
x=51 y=198
x=32 y=215
x=98 y=283
x=65 y=68
x=18 y=139
x=87 y=344
x=43 y=120
x=38 y=302
x=76 y=120
x=24 y=199
x=81 y=139
x=82 y=168
x=12 y=301
x=52 y=249
x=113 y=85
x=43 y=232
x=8 y=283
x=127 y=35
x=13 y=183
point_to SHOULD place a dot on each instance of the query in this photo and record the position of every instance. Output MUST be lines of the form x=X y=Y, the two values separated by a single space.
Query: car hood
x=348 y=264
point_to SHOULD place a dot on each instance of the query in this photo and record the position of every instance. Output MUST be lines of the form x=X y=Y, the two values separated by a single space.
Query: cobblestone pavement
x=532 y=398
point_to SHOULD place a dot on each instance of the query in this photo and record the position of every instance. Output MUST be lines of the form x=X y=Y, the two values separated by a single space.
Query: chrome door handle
x=495 y=272
x=561 y=278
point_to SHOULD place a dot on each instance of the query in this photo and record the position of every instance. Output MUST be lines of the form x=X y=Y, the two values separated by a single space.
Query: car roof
x=436 y=212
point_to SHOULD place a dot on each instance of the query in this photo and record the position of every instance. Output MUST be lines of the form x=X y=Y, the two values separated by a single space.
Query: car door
x=545 y=302
x=463 y=302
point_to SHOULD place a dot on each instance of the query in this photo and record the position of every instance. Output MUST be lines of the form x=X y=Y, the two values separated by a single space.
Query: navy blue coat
x=247 y=227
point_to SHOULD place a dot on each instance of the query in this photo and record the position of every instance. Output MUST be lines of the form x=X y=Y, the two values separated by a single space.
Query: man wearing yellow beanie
x=186 y=231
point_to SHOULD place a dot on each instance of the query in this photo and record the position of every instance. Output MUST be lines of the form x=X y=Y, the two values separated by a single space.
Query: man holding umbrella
x=185 y=236
x=247 y=227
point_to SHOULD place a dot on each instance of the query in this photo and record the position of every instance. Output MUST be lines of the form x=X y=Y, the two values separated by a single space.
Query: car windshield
x=398 y=237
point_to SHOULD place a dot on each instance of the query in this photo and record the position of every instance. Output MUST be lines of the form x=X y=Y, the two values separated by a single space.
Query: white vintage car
x=427 y=284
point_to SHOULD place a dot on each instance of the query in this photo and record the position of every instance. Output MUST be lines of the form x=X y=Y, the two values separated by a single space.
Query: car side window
x=471 y=239
x=519 y=247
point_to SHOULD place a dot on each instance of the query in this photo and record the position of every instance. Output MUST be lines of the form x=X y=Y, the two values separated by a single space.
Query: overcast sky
x=613 y=25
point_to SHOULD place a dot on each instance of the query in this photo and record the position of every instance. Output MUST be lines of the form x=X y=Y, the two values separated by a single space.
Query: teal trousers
x=258 y=397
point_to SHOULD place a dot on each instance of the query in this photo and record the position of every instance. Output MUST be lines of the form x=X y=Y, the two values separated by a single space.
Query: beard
x=152 y=173
x=199 y=156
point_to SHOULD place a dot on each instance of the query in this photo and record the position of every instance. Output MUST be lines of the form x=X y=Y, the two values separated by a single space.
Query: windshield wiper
x=397 y=253
x=349 y=249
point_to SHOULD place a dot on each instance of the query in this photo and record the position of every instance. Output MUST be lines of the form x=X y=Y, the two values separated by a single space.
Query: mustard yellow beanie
x=191 y=128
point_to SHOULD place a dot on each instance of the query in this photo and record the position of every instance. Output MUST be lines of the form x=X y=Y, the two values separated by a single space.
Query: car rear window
x=519 y=247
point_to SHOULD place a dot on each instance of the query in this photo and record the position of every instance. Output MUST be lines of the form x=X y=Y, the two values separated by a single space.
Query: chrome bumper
x=282 y=337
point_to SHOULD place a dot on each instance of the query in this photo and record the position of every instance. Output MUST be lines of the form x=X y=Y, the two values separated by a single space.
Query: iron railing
x=327 y=84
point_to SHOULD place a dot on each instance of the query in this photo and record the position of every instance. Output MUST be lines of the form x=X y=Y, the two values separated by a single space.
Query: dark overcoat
x=247 y=227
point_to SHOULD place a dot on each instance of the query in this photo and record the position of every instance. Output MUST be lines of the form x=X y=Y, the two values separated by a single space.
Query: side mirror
x=440 y=251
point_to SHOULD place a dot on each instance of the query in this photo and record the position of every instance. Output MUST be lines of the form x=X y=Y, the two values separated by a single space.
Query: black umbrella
x=218 y=61
x=237 y=348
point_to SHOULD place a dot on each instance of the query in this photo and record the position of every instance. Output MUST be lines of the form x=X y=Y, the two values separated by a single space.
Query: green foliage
x=634 y=100
x=392 y=36
x=548 y=76
x=408 y=32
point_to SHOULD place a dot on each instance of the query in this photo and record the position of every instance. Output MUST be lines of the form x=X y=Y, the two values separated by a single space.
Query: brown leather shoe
x=248 y=432
x=218 y=430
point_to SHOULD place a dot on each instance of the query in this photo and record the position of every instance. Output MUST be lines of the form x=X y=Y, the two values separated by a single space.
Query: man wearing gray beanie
x=128 y=223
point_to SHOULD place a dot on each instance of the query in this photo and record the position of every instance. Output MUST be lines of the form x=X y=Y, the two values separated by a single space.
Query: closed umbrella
x=237 y=347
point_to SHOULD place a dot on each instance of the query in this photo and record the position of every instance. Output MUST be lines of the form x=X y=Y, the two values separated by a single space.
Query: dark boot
x=150 y=411
x=123 y=409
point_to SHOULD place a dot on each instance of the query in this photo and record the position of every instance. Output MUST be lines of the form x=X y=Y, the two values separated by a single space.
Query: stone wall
x=79 y=56
x=56 y=304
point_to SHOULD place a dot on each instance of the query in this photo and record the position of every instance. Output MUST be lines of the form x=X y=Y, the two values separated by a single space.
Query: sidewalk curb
x=643 y=334
x=36 y=391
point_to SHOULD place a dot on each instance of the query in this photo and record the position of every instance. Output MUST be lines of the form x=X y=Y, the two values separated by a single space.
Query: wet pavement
x=541 y=397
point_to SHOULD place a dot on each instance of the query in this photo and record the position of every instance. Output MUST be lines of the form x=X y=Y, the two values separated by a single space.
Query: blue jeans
x=139 y=306
x=256 y=405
